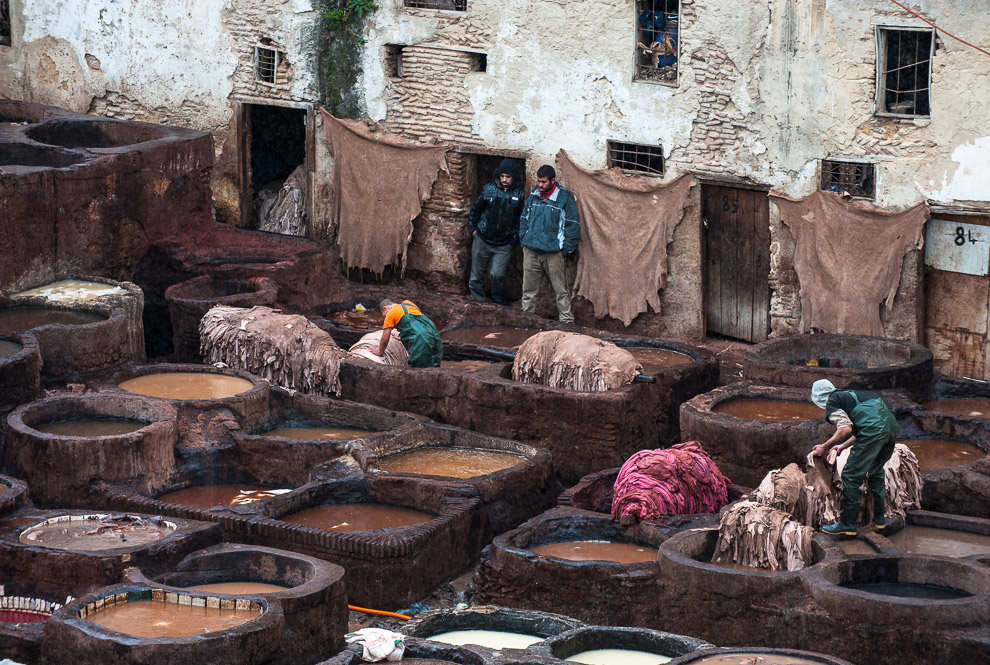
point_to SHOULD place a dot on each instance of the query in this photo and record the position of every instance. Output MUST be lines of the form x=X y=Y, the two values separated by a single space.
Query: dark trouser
x=874 y=446
x=483 y=253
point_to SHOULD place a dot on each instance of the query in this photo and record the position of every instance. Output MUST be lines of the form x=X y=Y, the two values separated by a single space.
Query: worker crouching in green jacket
x=416 y=332
x=863 y=422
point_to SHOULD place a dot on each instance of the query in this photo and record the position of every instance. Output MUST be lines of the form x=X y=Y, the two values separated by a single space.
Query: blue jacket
x=551 y=224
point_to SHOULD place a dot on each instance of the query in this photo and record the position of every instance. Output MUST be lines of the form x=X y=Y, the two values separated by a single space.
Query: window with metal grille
x=265 y=64
x=450 y=5
x=393 y=61
x=858 y=179
x=904 y=59
x=4 y=22
x=657 y=40
x=635 y=158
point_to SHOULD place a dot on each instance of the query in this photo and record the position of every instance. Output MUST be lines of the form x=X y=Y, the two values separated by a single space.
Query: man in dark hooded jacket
x=494 y=223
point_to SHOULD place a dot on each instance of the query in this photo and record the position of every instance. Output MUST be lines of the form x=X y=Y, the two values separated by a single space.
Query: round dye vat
x=95 y=533
x=358 y=517
x=17 y=319
x=464 y=365
x=618 y=657
x=910 y=590
x=88 y=427
x=653 y=356
x=597 y=550
x=238 y=588
x=499 y=336
x=974 y=407
x=151 y=618
x=935 y=454
x=72 y=290
x=493 y=639
x=9 y=349
x=940 y=542
x=186 y=385
x=449 y=462
x=311 y=433
x=754 y=658
x=777 y=410
x=211 y=496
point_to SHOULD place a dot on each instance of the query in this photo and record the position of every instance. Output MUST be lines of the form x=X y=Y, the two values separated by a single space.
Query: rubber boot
x=879 y=519
x=840 y=529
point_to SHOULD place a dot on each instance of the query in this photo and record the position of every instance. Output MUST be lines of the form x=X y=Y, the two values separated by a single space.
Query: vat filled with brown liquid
x=358 y=517
x=211 y=496
x=464 y=365
x=775 y=410
x=974 y=407
x=597 y=550
x=449 y=462
x=935 y=454
x=19 y=319
x=153 y=618
x=9 y=349
x=186 y=385
x=87 y=427
x=654 y=356
x=940 y=542
x=238 y=588
x=497 y=336
x=95 y=533
x=311 y=433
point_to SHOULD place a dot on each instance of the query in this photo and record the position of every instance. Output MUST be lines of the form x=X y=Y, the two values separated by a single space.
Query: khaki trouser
x=555 y=266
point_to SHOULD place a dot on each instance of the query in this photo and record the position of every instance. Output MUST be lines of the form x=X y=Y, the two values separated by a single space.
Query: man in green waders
x=416 y=332
x=863 y=422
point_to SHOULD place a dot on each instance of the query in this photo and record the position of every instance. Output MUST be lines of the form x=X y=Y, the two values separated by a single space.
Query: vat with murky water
x=757 y=656
x=498 y=627
x=598 y=645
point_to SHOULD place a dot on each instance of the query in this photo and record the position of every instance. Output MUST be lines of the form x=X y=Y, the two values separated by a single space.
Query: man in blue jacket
x=494 y=224
x=549 y=231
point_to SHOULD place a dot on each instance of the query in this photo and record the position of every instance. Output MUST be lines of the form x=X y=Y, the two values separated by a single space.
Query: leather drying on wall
x=848 y=258
x=626 y=225
x=379 y=181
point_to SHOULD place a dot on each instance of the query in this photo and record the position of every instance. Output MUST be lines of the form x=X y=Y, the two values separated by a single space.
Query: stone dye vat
x=13 y=494
x=141 y=624
x=619 y=646
x=309 y=591
x=98 y=290
x=514 y=573
x=512 y=479
x=23 y=615
x=498 y=627
x=421 y=652
x=63 y=445
x=865 y=363
x=930 y=534
x=74 y=338
x=94 y=549
x=20 y=371
x=347 y=325
x=387 y=567
x=737 y=655
x=93 y=133
x=746 y=448
x=496 y=337
x=188 y=301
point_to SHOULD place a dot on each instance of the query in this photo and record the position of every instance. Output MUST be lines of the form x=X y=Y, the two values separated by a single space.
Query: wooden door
x=737 y=261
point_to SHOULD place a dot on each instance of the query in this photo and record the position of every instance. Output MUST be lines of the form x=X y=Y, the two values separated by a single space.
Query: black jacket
x=495 y=215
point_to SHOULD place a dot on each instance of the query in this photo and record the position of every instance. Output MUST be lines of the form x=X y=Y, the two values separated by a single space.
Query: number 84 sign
x=957 y=247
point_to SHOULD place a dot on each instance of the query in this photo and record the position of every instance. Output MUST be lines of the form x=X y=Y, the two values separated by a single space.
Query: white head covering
x=820 y=391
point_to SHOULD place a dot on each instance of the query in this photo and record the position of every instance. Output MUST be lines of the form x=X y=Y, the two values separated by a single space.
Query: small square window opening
x=635 y=158
x=265 y=64
x=449 y=5
x=904 y=71
x=858 y=179
x=479 y=62
x=393 y=61
x=657 y=40
x=4 y=22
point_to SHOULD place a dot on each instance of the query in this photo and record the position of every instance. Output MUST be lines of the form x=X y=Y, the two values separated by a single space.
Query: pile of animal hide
x=759 y=536
x=395 y=353
x=288 y=350
x=681 y=480
x=574 y=361
x=282 y=206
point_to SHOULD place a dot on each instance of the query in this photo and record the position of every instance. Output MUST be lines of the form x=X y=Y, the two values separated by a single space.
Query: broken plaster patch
x=971 y=180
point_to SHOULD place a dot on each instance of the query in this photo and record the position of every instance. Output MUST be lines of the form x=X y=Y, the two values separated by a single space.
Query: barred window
x=4 y=22
x=635 y=158
x=657 y=40
x=450 y=5
x=858 y=179
x=265 y=64
x=904 y=60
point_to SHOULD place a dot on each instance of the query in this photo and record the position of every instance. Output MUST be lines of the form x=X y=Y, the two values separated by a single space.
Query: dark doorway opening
x=277 y=168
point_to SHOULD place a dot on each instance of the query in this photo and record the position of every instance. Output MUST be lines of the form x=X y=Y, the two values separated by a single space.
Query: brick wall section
x=248 y=23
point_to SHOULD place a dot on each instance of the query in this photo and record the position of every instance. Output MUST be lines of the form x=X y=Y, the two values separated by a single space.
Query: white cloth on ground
x=378 y=644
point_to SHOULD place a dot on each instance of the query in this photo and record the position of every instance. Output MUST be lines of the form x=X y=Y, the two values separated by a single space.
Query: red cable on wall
x=938 y=28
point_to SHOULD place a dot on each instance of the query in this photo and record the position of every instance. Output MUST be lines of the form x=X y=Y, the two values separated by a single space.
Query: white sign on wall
x=957 y=247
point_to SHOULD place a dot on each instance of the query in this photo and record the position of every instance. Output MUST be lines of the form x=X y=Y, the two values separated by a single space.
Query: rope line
x=946 y=32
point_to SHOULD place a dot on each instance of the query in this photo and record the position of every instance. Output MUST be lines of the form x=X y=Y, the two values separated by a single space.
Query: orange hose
x=380 y=612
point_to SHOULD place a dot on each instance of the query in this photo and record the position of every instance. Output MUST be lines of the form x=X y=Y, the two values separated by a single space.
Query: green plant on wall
x=340 y=60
